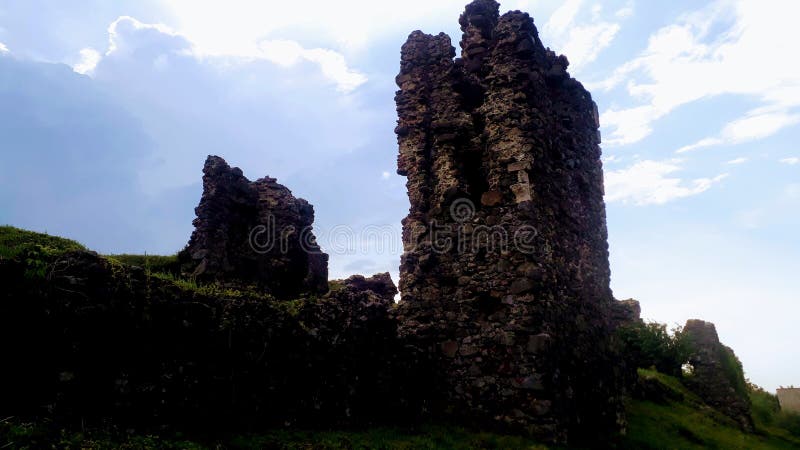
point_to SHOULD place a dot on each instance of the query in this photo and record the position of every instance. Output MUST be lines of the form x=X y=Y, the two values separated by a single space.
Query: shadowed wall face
x=505 y=274
x=256 y=233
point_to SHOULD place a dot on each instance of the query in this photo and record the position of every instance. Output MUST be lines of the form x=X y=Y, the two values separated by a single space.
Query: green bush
x=649 y=344
x=764 y=406
x=788 y=421
x=767 y=412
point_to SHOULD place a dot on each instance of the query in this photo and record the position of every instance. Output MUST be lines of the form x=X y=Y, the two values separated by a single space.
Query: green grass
x=29 y=436
x=768 y=416
x=432 y=437
x=22 y=435
x=689 y=424
x=36 y=250
x=15 y=242
x=151 y=263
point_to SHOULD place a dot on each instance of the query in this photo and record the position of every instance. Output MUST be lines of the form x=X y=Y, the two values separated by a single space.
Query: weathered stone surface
x=717 y=375
x=626 y=311
x=789 y=399
x=505 y=239
x=254 y=232
x=381 y=284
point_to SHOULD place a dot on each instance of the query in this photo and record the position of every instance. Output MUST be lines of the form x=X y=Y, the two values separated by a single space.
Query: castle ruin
x=505 y=274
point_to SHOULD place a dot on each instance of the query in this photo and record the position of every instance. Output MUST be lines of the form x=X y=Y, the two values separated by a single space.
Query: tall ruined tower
x=505 y=275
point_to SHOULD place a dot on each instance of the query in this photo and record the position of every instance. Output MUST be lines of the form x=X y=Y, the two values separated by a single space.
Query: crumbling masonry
x=505 y=275
x=254 y=233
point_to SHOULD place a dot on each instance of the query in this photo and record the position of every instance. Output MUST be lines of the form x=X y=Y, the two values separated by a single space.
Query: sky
x=109 y=108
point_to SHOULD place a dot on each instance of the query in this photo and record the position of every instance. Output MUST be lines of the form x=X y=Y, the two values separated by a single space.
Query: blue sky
x=108 y=110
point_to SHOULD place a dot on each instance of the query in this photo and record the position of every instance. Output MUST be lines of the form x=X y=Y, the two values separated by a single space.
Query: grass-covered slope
x=681 y=421
x=34 y=249
x=15 y=242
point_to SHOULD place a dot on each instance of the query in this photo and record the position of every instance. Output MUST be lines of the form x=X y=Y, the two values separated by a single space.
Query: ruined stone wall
x=789 y=399
x=97 y=343
x=505 y=274
x=256 y=233
x=717 y=375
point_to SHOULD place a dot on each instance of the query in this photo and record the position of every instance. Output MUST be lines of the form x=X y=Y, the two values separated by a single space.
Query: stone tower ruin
x=505 y=274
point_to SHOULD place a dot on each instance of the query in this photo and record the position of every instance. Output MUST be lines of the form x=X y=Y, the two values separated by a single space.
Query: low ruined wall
x=95 y=342
x=789 y=399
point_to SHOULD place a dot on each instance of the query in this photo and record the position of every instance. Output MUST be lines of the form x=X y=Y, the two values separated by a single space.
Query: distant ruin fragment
x=789 y=399
x=256 y=233
x=717 y=374
x=505 y=275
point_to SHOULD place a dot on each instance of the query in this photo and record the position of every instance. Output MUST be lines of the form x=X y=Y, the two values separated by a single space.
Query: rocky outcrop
x=254 y=232
x=716 y=373
x=505 y=275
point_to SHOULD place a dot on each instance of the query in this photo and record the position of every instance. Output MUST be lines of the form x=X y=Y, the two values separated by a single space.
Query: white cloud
x=385 y=175
x=630 y=125
x=790 y=161
x=610 y=159
x=625 y=12
x=686 y=62
x=741 y=160
x=563 y=17
x=753 y=126
x=702 y=143
x=332 y=64
x=285 y=53
x=3 y=48
x=119 y=29
x=758 y=126
x=581 y=43
x=89 y=59
x=349 y=25
x=647 y=183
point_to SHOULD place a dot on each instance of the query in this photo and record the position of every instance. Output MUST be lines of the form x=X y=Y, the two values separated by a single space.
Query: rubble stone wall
x=717 y=375
x=254 y=232
x=505 y=274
